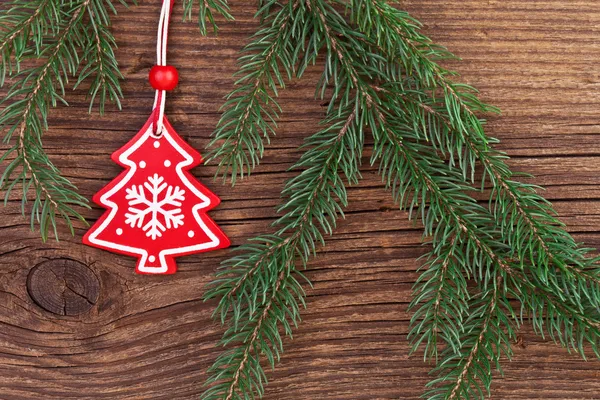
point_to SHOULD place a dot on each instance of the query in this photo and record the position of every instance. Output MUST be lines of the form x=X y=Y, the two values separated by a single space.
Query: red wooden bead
x=164 y=77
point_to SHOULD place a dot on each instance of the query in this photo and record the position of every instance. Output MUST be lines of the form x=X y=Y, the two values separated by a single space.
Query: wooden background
x=152 y=337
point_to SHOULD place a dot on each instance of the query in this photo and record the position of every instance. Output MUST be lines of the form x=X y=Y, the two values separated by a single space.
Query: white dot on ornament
x=119 y=231
x=151 y=258
x=156 y=144
x=142 y=164
x=191 y=234
x=167 y=163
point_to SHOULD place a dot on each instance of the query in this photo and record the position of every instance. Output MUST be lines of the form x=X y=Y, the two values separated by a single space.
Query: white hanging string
x=161 y=60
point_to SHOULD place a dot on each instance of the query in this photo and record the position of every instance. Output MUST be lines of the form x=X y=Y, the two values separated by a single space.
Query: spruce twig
x=484 y=343
x=538 y=240
x=269 y=269
x=68 y=46
x=428 y=143
x=251 y=110
x=54 y=194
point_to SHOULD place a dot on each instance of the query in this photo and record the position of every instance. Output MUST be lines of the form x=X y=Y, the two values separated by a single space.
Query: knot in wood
x=63 y=286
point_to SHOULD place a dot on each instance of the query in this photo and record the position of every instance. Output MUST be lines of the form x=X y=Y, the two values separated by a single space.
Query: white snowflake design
x=154 y=206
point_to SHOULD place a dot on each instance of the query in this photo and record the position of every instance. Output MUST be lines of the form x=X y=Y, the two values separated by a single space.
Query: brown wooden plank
x=152 y=337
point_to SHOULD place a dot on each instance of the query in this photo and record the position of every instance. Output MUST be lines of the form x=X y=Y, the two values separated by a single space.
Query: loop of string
x=161 y=59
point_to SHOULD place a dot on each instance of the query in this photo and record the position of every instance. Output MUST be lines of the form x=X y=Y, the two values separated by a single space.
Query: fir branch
x=258 y=336
x=305 y=203
x=551 y=313
x=488 y=333
x=364 y=96
x=420 y=180
x=376 y=73
x=257 y=289
x=539 y=240
x=54 y=194
x=407 y=167
x=251 y=110
x=38 y=88
x=248 y=278
x=408 y=51
x=263 y=319
x=347 y=61
x=523 y=199
x=440 y=301
x=467 y=372
x=568 y=322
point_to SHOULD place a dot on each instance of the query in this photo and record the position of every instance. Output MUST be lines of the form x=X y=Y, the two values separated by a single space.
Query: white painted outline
x=123 y=158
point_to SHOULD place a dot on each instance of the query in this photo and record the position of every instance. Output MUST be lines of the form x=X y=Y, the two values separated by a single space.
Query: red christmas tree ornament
x=156 y=210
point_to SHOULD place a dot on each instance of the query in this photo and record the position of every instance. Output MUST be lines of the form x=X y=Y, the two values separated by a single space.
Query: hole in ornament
x=167 y=163
x=142 y=164
x=191 y=234
x=63 y=286
x=119 y=231
x=156 y=144
x=151 y=258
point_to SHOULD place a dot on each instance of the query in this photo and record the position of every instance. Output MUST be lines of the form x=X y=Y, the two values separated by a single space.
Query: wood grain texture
x=153 y=338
